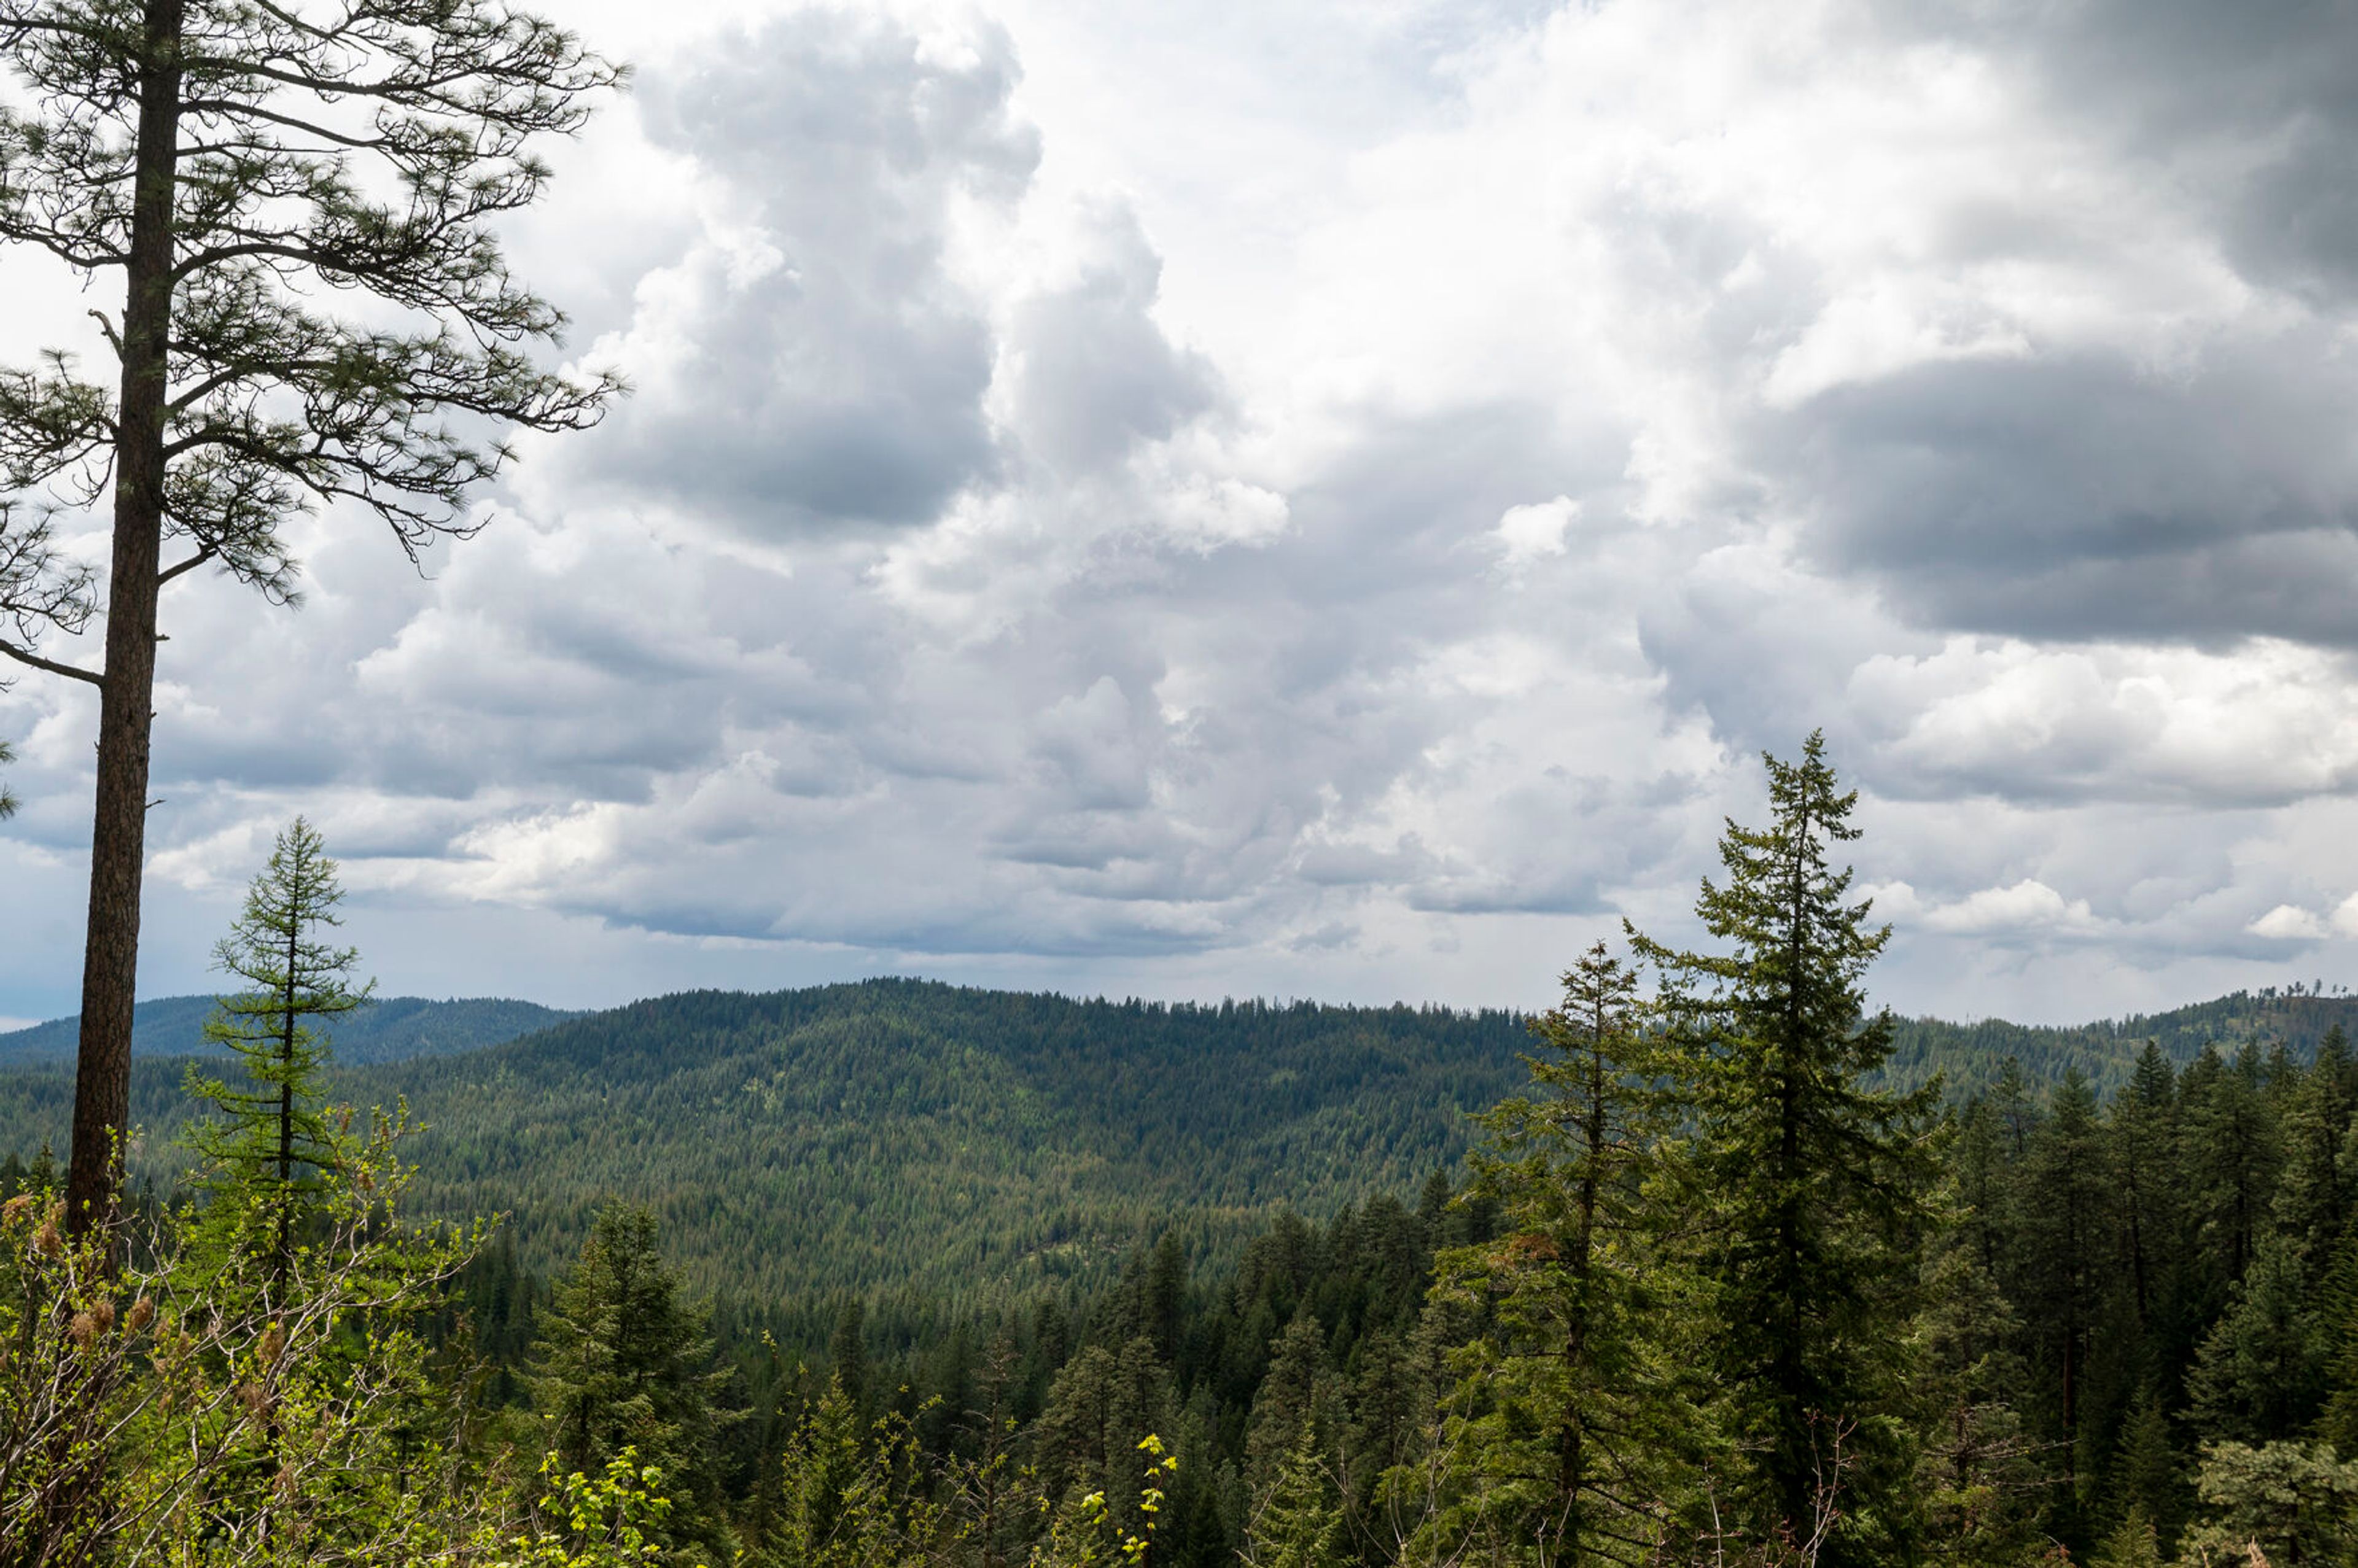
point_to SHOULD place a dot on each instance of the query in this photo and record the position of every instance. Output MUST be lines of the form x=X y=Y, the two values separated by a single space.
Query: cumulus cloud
x=812 y=361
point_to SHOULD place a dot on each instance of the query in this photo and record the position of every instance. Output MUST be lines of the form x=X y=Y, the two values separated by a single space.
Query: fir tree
x=2148 y=1476
x=2313 y=1196
x=2258 y=1377
x=1568 y=1421
x=2018 y=1114
x=2134 y=1544
x=1163 y=1295
x=1102 y=1405
x=623 y=1361
x=2143 y=1135
x=269 y=1152
x=1817 y=1182
x=847 y=1353
x=1300 y=1524
x=1978 y=1473
x=2066 y=1230
x=2337 y=1319
x=2232 y=1154
x=1295 y=1403
x=852 y=1499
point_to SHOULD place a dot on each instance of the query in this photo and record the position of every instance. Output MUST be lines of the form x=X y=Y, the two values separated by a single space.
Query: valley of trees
x=1708 y=1288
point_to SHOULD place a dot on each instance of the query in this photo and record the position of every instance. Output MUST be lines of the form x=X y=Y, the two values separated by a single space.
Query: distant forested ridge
x=390 y=1029
x=899 y=1132
x=905 y=1134
x=1972 y=1056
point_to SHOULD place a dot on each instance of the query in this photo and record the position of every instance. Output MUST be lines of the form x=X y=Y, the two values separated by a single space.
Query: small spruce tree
x=2136 y=1544
x=1300 y=1524
x=270 y=1142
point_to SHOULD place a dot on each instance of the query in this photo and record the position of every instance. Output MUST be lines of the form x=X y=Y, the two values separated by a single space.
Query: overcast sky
x=1331 y=500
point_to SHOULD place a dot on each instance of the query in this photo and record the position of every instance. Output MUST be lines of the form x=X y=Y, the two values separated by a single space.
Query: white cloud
x=1528 y=533
x=2027 y=907
x=2286 y=923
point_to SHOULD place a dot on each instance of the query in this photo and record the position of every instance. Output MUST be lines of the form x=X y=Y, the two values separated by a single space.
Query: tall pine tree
x=1817 y=1182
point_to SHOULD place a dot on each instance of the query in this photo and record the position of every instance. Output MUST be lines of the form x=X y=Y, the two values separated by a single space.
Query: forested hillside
x=905 y=1133
x=390 y=1029
x=1972 y=1056
x=899 y=1134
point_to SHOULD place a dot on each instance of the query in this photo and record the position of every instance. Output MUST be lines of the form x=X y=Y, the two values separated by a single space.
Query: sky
x=1330 y=500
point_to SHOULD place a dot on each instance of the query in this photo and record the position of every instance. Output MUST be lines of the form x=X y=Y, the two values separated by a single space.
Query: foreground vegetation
x=1708 y=1291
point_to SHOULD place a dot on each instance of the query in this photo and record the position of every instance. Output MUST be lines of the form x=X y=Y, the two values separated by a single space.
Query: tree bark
x=118 y=845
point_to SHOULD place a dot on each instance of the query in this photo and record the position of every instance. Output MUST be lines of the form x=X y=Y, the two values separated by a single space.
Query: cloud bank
x=1333 y=500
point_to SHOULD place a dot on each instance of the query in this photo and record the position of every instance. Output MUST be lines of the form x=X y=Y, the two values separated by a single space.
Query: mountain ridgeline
x=899 y=1134
x=390 y=1029
x=1969 y=1057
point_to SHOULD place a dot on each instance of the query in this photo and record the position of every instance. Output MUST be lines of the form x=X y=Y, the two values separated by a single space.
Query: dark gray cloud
x=2079 y=496
x=2249 y=109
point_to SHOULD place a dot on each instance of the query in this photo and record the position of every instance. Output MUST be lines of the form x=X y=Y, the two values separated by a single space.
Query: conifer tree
x=2066 y=1230
x=7 y=800
x=2134 y=1544
x=1978 y=1473
x=268 y=1152
x=2258 y=1377
x=1163 y=1294
x=1568 y=1420
x=851 y=1498
x=2337 y=1344
x=2018 y=1113
x=623 y=1361
x=2313 y=1196
x=1817 y=1182
x=847 y=1353
x=1300 y=1523
x=2233 y=1156
x=1981 y=1175
x=1296 y=1402
x=2150 y=1477
x=2143 y=1134
x=1100 y=1408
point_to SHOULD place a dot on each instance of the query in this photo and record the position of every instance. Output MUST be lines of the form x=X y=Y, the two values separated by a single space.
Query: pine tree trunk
x=119 y=823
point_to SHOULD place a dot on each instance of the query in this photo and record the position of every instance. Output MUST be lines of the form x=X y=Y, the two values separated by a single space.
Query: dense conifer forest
x=917 y=1138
